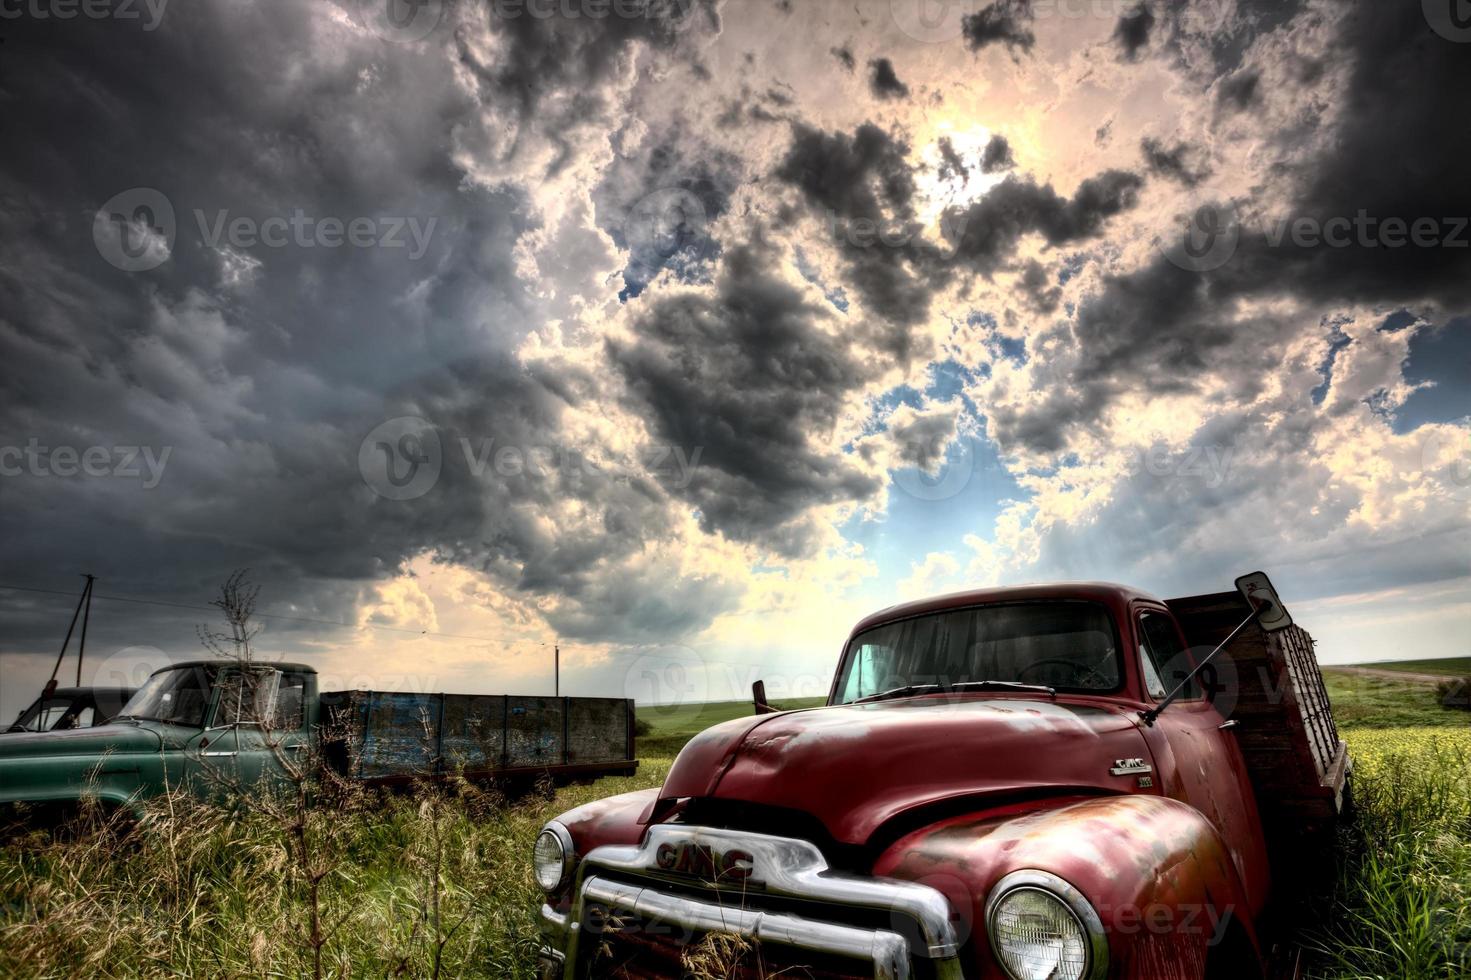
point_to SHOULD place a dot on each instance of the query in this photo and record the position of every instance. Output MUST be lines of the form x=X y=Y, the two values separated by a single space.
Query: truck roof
x=1109 y=593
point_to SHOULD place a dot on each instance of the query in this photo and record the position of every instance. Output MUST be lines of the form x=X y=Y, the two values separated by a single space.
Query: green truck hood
x=117 y=737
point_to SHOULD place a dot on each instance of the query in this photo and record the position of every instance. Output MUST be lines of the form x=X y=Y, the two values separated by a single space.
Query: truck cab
x=63 y=708
x=992 y=790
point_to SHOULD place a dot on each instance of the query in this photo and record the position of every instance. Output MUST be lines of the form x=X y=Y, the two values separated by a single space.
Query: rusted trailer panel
x=391 y=736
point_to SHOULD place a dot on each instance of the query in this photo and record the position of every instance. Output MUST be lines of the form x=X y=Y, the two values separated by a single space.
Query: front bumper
x=787 y=900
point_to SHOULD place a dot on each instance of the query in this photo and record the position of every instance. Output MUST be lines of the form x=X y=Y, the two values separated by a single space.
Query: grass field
x=673 y=725
x=441 y=886
x=1380 y=702
x=1448 y=666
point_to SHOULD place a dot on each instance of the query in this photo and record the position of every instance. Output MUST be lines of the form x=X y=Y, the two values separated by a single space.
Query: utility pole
x=84 y=602
x=556 y=670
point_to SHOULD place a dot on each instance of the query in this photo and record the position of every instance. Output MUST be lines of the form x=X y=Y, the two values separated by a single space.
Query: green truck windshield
x=1065 y=645
x=178 y=697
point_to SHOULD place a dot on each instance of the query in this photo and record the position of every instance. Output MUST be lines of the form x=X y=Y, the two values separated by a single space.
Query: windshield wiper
x=1004 y=685
x=898 y=692
x=909 y=690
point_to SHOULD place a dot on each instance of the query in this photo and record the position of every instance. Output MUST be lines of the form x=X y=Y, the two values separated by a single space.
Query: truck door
x=259 y=720
x=1209 y=769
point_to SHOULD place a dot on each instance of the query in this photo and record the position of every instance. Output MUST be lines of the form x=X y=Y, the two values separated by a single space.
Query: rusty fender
x=1153 y=868
x=617 y=819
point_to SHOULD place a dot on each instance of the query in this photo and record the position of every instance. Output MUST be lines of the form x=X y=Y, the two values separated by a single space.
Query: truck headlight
x=1042 y=928
x=551 y=859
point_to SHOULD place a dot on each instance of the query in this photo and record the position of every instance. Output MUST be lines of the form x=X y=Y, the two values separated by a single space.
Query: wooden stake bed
x=1298 y=764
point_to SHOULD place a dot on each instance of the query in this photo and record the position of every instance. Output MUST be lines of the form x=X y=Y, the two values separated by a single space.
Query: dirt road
x=1393 y=675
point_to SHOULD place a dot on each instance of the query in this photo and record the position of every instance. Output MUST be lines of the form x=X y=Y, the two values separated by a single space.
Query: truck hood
x=854 y=767
x=116 y=737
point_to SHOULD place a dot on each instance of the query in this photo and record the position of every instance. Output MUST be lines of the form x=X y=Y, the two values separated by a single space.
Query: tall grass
x=418 y=887
x=1401 y=907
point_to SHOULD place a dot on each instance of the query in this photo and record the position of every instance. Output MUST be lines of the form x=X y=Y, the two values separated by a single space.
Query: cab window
x=247 y=697
x=1163 y=656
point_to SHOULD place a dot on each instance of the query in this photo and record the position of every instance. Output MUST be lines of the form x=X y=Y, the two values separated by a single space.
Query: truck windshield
x=177 y=696
x=1068 y=645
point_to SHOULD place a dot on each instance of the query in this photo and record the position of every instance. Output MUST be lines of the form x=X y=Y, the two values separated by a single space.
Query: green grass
x=1376 y=702
x=673 y=725
x=1402 y=904
x=1448 y=666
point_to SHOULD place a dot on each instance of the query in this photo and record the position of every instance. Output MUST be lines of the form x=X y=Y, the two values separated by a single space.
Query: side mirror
x=1257 y=589
x=758 y=696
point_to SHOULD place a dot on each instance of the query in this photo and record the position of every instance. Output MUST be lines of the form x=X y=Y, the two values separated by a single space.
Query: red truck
x=1057 y=782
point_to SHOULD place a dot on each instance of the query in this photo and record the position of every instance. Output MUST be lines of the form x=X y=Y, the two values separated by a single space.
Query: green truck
x=217 y=725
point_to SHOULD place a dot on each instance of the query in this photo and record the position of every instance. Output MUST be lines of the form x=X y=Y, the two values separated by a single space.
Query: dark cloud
x=864 y=175
x=883 y=82
x=1172 y=325
x=1040 y=288
x=951 y=165
x=540 y=57
x=1002 y=22
x=1132 y=32
x=262 y=369
x=1238 y=91
x=988 y=231
x=754 y=378
x=1182 y=162
x=862 y=186
x=997 y=155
